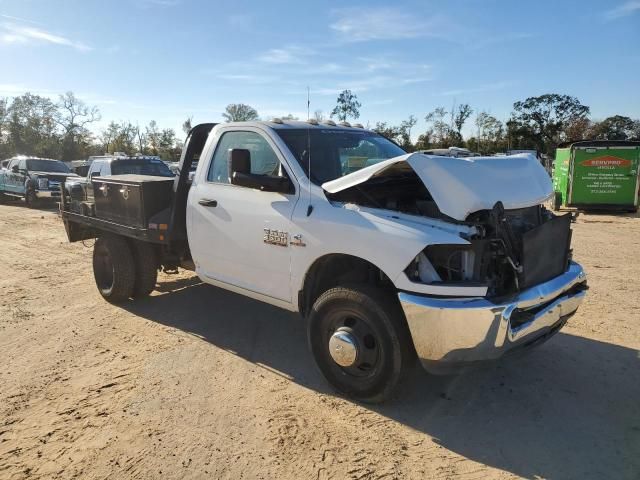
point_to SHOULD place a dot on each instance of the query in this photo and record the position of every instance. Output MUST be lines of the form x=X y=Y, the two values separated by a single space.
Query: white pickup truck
x=389 y=256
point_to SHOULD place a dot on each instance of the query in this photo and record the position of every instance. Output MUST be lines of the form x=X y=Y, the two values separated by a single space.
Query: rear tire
x=372 y=318
x=146 y=263
x=113 y=268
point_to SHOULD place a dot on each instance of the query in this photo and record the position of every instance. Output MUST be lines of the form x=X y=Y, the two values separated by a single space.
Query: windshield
x=141 y=167
x=55 y=166
x=335 y=153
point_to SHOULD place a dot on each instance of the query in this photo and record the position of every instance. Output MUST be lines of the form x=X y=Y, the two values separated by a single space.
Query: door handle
x=205 y=202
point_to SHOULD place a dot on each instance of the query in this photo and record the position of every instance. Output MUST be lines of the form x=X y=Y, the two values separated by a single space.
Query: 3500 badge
x=275 y=237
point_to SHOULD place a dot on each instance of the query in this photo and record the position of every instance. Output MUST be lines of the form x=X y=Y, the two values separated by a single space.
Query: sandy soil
x=195 y=382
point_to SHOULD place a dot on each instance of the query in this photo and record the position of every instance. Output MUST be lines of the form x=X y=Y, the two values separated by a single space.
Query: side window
x=264 y=160
x=94 y=170
x=22 y=165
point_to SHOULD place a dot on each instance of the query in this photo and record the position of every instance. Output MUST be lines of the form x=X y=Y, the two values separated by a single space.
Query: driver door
x=240 y=236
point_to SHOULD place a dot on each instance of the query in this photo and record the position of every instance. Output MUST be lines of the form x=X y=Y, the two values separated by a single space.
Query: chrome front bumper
x=452 y=333
x=47 y=193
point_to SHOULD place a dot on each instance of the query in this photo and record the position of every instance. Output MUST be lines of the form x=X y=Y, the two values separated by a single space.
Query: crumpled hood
x=461 y=186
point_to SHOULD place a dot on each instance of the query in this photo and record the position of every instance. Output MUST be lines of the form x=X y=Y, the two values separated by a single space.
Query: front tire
x=367 y=325
x=113 y=268
x=30 y=198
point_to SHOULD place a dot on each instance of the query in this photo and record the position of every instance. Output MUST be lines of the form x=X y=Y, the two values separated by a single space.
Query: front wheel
x=360 y=341
x=30 y=198
x=113 y=268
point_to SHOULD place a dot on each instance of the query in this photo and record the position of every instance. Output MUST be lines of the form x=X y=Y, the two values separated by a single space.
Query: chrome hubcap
x=343 y=348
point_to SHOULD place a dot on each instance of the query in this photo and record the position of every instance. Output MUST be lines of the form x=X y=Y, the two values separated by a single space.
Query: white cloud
x=489 y=87
x=287 y=55
x=11 y=33
x=384 y=23
x=248 y=78
x=371 y=83
x=623 y=10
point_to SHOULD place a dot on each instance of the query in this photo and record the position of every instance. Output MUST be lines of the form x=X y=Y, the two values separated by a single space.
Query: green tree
x=186 y=125
x=439 y=131
x=543 y=119
x=490 y=134
x=153 y=138
x=617 y=127
x=4 y=134
x=460 y=117
x=31 y=126
x=347 y=106
x=239 y=112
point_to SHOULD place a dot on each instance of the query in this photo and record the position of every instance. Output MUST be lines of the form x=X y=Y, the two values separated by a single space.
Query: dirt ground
x=196 y=382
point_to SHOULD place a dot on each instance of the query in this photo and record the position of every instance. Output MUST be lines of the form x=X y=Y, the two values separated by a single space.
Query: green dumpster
x=597 y=174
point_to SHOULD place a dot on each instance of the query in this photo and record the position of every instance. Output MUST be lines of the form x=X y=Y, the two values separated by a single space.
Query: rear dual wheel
x=360 y=341
x=124 y=269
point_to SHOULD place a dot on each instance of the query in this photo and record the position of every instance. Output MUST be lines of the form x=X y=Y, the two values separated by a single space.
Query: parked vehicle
x=81 y=189
x=597 y=174
x=454 y=261
x=33 y=179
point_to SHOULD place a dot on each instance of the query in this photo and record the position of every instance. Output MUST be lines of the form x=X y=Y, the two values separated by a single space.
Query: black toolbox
x=131 y=199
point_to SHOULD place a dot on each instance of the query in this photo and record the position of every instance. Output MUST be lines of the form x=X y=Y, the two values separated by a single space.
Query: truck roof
x=31 y=157
x=279 y=124
x=110 y=158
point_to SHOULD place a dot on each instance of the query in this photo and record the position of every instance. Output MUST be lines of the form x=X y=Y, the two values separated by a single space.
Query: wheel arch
x=333 y=269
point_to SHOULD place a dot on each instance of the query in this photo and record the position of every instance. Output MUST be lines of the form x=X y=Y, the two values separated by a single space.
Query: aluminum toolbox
x=131 y=199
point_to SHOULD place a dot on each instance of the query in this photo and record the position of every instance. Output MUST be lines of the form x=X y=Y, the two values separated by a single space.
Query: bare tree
x=74 y=116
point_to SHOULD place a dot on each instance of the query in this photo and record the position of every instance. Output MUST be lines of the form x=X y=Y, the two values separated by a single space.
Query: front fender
x=388 y=240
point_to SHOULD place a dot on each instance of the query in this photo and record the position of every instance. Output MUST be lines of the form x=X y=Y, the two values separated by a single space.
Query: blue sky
x=166 y=60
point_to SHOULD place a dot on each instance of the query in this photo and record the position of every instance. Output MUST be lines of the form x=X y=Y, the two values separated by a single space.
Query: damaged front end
x=514 y=250
x=518 y=242
x=502 y=279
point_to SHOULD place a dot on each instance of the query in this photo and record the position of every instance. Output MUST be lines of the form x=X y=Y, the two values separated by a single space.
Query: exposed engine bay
x=400 y=189
x=514 y=249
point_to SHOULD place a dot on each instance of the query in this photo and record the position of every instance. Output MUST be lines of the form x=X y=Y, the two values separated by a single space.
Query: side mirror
x=15 y=169
x=240 y=174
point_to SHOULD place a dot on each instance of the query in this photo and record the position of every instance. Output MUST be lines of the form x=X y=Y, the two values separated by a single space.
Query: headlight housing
x=43 y=183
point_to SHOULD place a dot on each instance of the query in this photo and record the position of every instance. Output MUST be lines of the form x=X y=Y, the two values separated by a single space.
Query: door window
x=22 y=166
x=264 y=160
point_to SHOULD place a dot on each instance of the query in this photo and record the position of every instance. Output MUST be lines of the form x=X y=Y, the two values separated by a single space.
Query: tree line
x=540 y=123
x=35 y=125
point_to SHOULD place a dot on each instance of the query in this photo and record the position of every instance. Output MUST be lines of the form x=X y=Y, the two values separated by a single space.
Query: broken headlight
x=444 y=264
